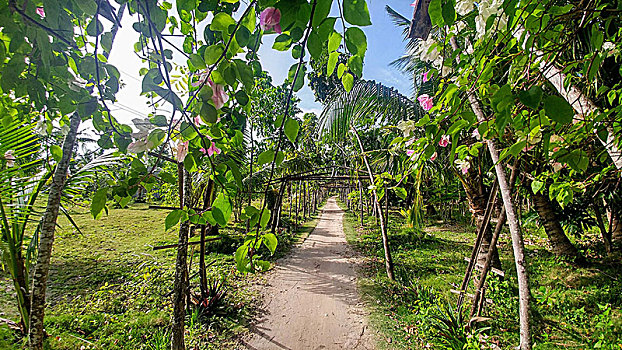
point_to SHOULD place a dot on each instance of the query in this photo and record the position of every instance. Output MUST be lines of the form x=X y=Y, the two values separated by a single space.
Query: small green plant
x=453 y=332
x=160 y=340
x=605 y=335
x=213 y=300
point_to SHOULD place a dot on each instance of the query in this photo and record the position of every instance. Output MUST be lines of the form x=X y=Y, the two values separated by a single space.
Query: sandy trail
x=310 y=298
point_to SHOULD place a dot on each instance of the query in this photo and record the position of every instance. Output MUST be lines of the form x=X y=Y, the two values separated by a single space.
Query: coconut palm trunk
x=46 y=238
x=582 y=105
x=388 y=260
x=181 y=267
x=560 y=244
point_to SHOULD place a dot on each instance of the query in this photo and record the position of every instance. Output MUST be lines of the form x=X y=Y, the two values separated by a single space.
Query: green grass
x=109 y=289
x=573 y=307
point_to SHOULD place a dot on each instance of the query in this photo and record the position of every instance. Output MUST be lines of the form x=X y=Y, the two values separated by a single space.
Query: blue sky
x=384 y=44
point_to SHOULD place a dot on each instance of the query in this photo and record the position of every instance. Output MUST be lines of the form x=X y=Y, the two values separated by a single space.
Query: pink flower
x=425 y=76
x=219 y=95
x=425 y=101
x=411 y=153
x=40 y=11
x=476 y=134
x=433 y=157
x=212 y=150
x=269 y=19
x=444 y=141
x=182 y=151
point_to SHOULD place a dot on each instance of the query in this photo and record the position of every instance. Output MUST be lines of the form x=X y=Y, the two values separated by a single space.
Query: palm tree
x=366 y=105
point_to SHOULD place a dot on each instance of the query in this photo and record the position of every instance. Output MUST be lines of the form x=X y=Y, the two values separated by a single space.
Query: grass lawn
x=109 y=289
x=574 y=308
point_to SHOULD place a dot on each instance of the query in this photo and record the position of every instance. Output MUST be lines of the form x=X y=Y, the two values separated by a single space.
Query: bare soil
x=310 y=298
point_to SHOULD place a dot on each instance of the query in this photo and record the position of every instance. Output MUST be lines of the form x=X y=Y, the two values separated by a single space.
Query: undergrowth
x=573 y=308
x=109 y=289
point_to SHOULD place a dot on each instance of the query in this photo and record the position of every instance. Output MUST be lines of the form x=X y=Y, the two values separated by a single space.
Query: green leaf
x=241 y=259
x=270 y=241
x=340 y=70
x=334 y=41
x=356 y=41
x=221 y=22
x=265 y=217
x=242 y=36
x=532 y=97
x=333 y=58
x=99 y=202
x=291 y=129
x=213 y=53
x=173 y=218
x=265 y=157
x=208 y=113
x=536 y=186
x=282 y=42
x=300 y=79
x=190 y=163
x=348 y=81
x=355 y=63
x=436 y=13
x=326 y=28
x=94 y=28
x=449 y=12
x=57 y=152
x=314 y=44
x=158 y=120
x=167 y=177
x=400 y=192
x=356 y=12
x=577 y=160
x=558 y=109
x=197 y=61
x=322 y=8
x=221 y=210
x=241 y=97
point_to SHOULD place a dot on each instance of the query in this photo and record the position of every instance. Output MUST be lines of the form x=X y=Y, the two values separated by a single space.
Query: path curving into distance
x=310 y=300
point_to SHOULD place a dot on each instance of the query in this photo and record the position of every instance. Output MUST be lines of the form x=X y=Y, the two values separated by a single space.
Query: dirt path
x=310 y=299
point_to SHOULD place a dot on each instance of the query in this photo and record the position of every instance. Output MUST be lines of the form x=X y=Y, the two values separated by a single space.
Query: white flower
x=464 y=165
x=9 y=156
x=407 y=127
x=41 y=128
x=428 y=50
x=487 y=9
x=463 y=7
x=438 y=64
x=64 y=129
x=608 y=46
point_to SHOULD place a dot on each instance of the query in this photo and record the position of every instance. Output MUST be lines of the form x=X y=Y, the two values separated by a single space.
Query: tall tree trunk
x=616 y=229
x=48 y=224
x=207 y=202
x=46 y=238
x=560 y=244
x=518 y=245
x=388 y=260
x=181 y=269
